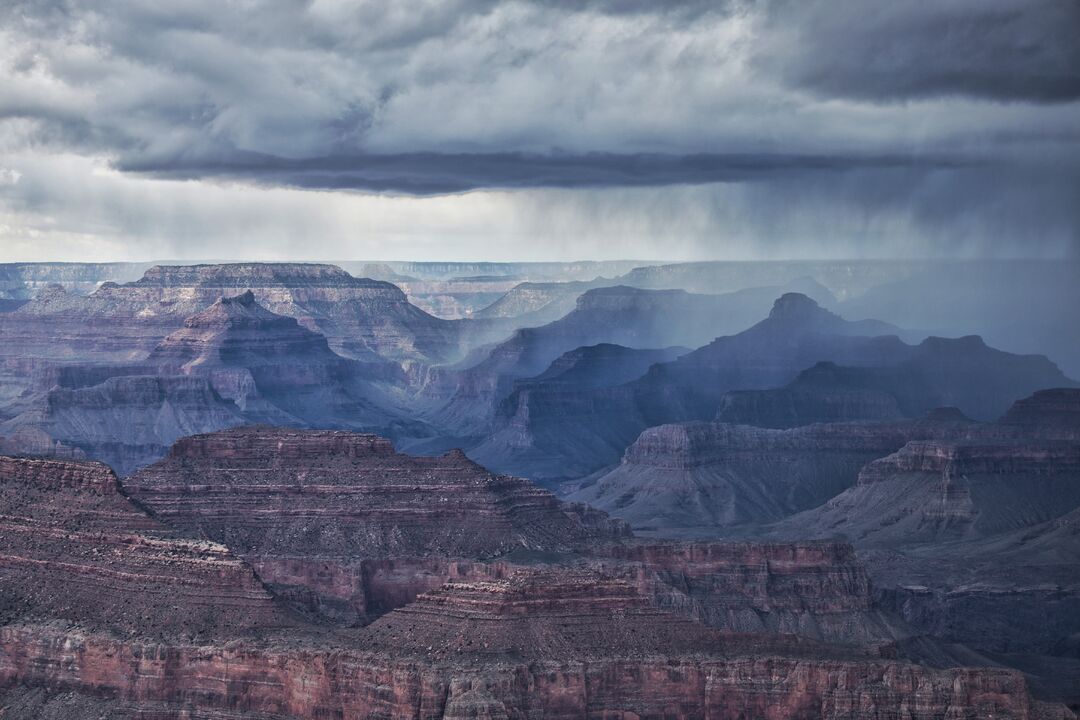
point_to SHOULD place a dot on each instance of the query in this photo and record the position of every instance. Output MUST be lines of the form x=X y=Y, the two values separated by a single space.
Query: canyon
x=550 y=641
x=868 y=373
x=587 y=491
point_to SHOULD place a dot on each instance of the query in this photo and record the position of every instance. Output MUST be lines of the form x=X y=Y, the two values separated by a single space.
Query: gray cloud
x=493 y=87
x=434 y=173
x=1020 y=50
x=918 y=122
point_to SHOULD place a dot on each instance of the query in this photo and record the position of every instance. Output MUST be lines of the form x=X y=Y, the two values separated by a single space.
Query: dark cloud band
x=433 y=173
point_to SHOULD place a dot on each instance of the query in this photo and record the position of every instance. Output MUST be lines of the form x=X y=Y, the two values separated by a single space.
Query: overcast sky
x=474 y=129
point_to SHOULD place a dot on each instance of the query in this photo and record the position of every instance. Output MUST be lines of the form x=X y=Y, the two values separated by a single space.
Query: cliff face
x=75 y=550
x=979 y=381
x=700 y=478
x=363 y=318
x=257 y=358
x=617 y=315
x=1046 y=413
x=538 y=614
x=309 y=683
x=234 y=363
x=817 y=590
x=823 y=393
x=315 y=505
x=126 y=421
x=585 y=431
x=545 y=406
x=107 y=614
x=530 y=645
x=930 y=491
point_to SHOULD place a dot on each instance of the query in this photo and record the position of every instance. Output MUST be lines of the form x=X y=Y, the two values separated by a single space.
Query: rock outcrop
x=362 y=318
x=617 y=315
x=974 y=540
x=818 y=590
x=593 y=428
x=963 y=373
x=931 y=491
x=106 y=613
x=234 y=363
x=74 y=550
x=1047 y=413
x=317 y=505
x=553 y=645
x=274 y=369
x=703 y=478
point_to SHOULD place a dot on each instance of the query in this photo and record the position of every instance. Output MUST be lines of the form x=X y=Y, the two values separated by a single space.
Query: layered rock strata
x=180 y=628
x=531 y=645
x=330 y=508
x=616 y=315
x=816 y=590
x=74 y=550
x=367 y=319
x=592 y=429
x=126 y=421
x=234 y=363
x=700 y=478
x=930 y=491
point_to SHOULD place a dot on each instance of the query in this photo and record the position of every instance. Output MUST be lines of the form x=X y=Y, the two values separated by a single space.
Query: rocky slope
x=963 y=372
x=536 y=406
x=257 y=358
x=535 y=644
x=594 y=366
x=125 y=421
x=345 y=528
x=616 y=315
x=1046 y=413
x=821 y=394
x=975 y=540
x=701 y=478
x=816 y=590
x=363 y=318
x=181 y=629
x=591 y=429
x=544 y=302
x=932 y=491
x=74 y=550
x=331 y=508
x=233 y=363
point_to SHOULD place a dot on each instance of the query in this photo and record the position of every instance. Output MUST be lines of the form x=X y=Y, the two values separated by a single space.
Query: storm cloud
x=908 y=114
